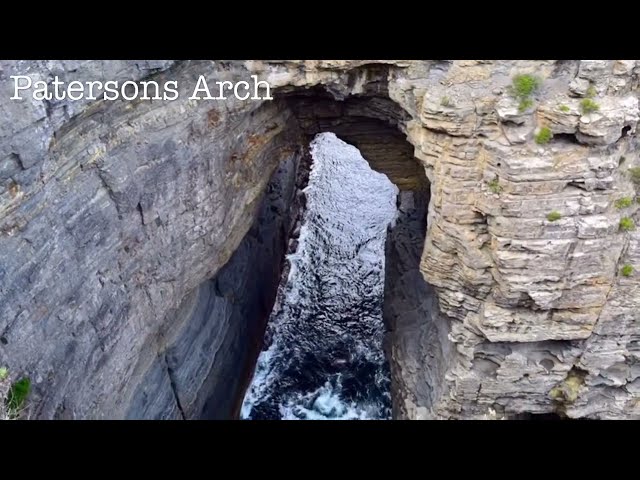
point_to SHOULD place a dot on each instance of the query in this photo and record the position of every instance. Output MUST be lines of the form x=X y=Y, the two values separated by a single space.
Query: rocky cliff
x=116 y=216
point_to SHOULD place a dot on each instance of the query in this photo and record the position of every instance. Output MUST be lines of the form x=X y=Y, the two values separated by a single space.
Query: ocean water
x=323 y=357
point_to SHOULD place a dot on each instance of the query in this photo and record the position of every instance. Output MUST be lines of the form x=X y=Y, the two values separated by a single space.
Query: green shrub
x=564 y=108
x=624 y=202
x=445 y=101
x=524 y=85
x=634 y=173
x=544 y=136
x=494 y=186
x=589 y=106
x=18 y=395
x=591 y=91
x=4 y=373
x=627 y=224
x=627 y=270
x=553 y=216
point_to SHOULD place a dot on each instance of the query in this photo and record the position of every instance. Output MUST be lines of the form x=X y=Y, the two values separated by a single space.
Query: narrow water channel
x=323 y=356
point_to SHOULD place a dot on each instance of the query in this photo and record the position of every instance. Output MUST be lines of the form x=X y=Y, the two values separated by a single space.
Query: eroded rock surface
x=111 y=214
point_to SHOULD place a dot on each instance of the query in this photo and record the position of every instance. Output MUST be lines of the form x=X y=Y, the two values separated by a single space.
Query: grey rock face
x=417 y=343
x=133 y=208
x=113 y=216
x=204 y=367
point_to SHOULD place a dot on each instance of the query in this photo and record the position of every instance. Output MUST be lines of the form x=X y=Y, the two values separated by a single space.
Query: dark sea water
x=323 y=355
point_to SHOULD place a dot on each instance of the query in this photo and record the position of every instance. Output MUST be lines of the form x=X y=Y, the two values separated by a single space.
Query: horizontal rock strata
x=113 y=214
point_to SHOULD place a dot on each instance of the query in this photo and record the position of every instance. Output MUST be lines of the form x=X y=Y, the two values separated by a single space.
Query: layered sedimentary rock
x=113 y=214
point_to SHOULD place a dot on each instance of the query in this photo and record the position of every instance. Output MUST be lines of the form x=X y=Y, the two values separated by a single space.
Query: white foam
x=326 y=404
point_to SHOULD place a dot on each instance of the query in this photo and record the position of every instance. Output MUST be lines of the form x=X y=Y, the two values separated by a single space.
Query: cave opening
x=372 y=123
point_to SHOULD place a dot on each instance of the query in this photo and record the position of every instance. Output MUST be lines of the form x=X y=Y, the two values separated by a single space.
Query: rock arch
x=112 y=213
